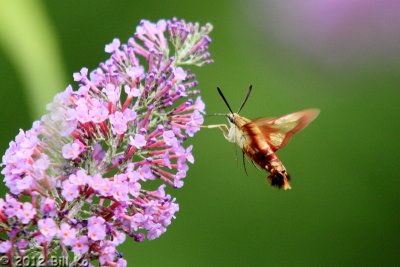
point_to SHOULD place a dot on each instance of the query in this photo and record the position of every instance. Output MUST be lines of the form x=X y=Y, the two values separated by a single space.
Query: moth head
x=231 y=117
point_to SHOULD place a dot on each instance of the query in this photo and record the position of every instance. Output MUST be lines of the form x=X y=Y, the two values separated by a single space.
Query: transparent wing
x=278 y=131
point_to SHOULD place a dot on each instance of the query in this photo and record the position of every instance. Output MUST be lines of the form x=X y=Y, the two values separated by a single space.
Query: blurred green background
x=343 y=209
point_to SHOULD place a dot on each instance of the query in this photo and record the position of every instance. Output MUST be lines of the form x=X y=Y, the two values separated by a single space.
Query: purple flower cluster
x=80 y=179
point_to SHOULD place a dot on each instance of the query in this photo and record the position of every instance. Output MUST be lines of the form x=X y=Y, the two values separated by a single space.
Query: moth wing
x=278 y=131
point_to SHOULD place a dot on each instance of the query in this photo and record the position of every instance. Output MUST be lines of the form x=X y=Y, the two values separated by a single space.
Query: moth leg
x=244 y=163
x=222 y=127
x=214 y=126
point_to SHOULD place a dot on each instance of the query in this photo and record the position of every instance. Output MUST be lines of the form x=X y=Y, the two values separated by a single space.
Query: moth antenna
x=245 y=99
x=223 y=97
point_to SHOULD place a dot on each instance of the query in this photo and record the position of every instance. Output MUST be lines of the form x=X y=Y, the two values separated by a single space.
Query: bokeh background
x=342 y=56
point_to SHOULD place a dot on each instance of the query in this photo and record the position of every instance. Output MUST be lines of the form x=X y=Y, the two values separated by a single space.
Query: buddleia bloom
x=95 y=169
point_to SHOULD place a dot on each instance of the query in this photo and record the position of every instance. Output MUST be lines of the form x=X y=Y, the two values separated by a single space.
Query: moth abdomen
x=279 y=180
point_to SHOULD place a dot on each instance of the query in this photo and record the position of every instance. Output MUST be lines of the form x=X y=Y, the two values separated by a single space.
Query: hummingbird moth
x=260 y=138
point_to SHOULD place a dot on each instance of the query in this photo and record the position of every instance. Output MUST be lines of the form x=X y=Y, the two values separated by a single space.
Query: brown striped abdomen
x=259 y=151
x=270 y=162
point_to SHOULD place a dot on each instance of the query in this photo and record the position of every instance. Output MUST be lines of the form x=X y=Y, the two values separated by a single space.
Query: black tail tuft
x=279 y=180
x=276 y=180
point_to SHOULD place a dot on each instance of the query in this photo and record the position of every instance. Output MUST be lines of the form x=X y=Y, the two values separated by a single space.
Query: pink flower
x=96 y=182
x=25 y=183
x=72 y=151
x=48 y=206
x=70 y=191
x=120 y=192
x=199 y=105
x=79 y=179
x=135 y=72
x=107 y=254
x=194 y=124
x=99 y=112
x=67 y=234
x=179 y=74
x=129 y=115
x=119 y=120
x=118 y=238
x=96 y=232
x=48 y=228
x=121 y=263
x=138 y=141
x=143 y=173
x=132 y=92
x=134 y=189
x=5 y=246
x=42 y=163
x=113 y=47
x=106 y=189
x=22 y=244
x=82 y=111
x=170 y=139
x=95 y=221
x=79 y=76
x=26 y=213
x=12 y=206
x=80 y=245
x=112 y=92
